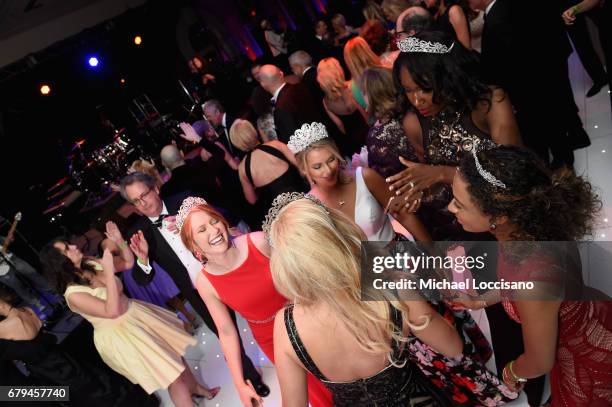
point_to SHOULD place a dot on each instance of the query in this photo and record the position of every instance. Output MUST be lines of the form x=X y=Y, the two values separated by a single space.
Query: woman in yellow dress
x=141 y=341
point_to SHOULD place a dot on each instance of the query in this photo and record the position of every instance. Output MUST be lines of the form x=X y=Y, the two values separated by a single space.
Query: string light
x=138 y=40
x=45 y=89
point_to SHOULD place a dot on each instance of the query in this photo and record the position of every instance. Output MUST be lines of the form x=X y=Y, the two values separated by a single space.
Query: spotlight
x=122 y=80
x=138 y=40
x=93 y=61
x=45 y=89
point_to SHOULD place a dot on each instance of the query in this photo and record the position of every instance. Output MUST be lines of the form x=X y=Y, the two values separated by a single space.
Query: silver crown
x=490 y=178
x=279 y=203
x=306 y=135
x=187 y=205
x=413 y=44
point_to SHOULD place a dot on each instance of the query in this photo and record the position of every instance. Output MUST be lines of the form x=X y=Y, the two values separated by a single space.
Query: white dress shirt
x=192 y=264
x=307 y=69
x=489 y=7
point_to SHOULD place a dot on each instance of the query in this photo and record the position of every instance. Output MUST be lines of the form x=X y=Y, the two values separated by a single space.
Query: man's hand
x=569 y=15
x=140 y=247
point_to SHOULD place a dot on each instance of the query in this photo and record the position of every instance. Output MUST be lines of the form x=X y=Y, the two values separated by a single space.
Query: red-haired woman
x=236 y=274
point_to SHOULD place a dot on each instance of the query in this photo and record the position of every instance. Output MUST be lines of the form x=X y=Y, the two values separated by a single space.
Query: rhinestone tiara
x=306 y=135
x=187 y=205
x=413 y=44
x=279 y=203
x=490 y=178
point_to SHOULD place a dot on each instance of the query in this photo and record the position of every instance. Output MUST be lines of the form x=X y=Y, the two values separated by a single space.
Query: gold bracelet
x=122 y=245
x=514 y=376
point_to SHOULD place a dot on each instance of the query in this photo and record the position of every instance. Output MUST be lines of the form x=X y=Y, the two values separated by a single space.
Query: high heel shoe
x=212 y=393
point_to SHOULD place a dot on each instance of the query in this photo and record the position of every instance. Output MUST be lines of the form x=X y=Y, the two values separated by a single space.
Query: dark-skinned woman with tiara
x=537 y=216
x=368 y=347
x=451 y=108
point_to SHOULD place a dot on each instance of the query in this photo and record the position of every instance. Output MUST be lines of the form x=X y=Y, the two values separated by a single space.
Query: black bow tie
x=160 y=219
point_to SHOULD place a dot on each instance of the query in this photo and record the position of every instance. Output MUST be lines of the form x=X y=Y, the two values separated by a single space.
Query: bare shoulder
x=281 y=338
x=276 y=143
x=411 y=123
x=456 y=11
x=372 y=178
x=260 y=241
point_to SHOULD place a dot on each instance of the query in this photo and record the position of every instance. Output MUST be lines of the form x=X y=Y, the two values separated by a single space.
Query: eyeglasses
x=140 y=200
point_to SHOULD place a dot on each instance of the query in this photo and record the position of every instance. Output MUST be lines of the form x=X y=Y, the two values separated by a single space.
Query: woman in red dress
x=236 y=274
x=509 y=192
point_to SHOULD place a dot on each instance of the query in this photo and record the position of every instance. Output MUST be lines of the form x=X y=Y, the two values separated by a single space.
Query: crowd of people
x=434 y=121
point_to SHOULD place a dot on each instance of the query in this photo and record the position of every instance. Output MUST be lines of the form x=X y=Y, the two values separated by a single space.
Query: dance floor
x=595 y=162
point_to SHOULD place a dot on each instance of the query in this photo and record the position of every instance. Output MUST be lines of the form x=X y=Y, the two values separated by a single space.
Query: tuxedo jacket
x=161 y=253
x=224 y=138
x=310 y=80
x=294 y=106
x=524 y=45
x=199 y=178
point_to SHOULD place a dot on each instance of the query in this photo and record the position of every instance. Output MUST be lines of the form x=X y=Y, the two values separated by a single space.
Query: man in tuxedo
x=322 y=43
x=215 y=113
x=525 y=51
x=301 y=65
x=293 y=104
x=260 y=98
x=197 y=177
x=154 y=242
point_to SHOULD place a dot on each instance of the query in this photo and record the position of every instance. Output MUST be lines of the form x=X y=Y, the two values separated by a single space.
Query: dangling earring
x=200 y=257
x=492 y=226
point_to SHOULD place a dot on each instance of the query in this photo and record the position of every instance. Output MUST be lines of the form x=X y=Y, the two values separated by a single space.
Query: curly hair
x=454 y=77
x=543 y=205
x=59 y=269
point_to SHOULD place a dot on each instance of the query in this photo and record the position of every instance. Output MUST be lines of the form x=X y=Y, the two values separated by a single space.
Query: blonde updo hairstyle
x=317 y=259
x=329 y=144
x=147 y=167
x=330 y=76
x=243 y=135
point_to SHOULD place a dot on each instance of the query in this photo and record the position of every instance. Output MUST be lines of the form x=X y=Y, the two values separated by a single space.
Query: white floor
x=209 y=367
x=595 y=162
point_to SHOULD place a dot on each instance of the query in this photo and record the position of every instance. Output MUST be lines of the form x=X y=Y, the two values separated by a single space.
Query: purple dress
x=386 y=143
x=157 y=292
